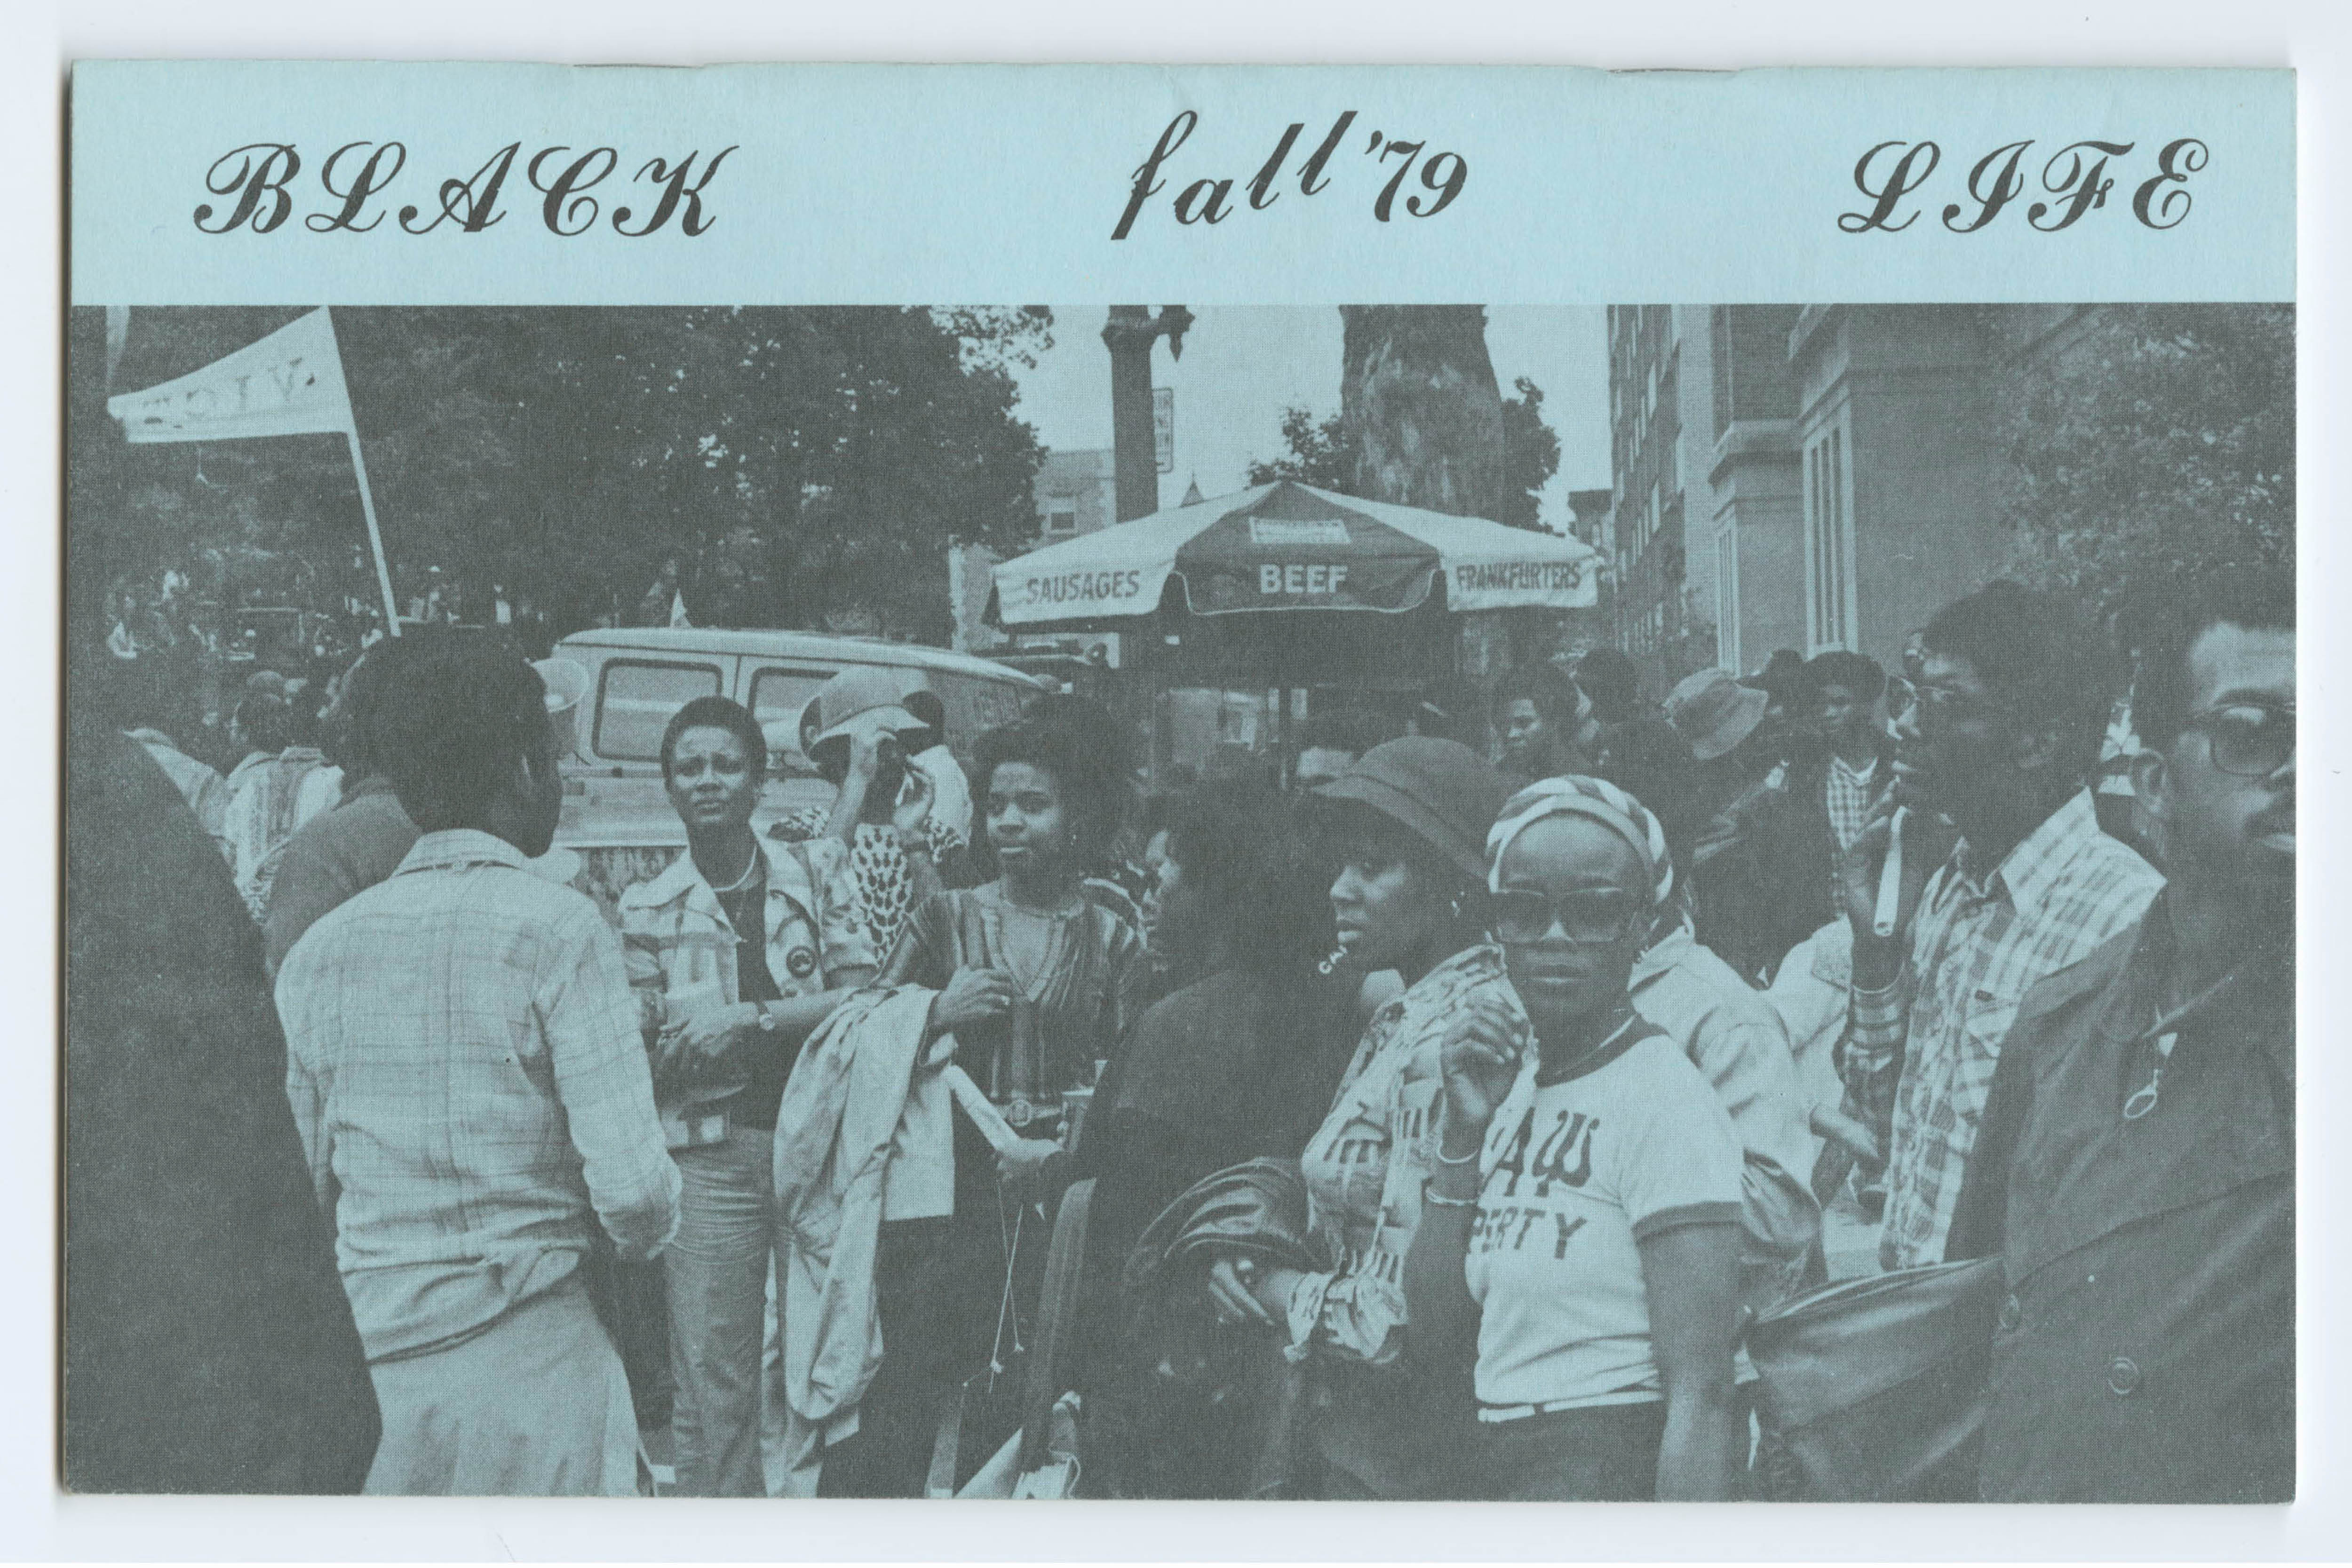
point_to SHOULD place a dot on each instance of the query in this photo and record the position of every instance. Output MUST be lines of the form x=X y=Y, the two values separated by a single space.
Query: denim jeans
x=718 y=1272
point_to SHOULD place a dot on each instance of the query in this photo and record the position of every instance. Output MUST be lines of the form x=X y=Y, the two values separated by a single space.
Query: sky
x=1243 y=365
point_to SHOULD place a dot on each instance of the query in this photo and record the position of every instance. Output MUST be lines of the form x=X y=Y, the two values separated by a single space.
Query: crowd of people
x=1440 y=1124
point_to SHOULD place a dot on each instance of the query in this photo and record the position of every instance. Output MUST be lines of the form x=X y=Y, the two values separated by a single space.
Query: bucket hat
x=1712 y=712
x=858 y=702
x=1437 y=789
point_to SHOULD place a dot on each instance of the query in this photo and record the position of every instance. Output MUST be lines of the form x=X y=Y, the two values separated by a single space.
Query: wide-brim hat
x=859 y=703
x=1438 y=789
x=1712 y=712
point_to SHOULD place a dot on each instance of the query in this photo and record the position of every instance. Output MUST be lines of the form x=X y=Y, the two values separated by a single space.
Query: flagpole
x=367 y=497
x=375 y=536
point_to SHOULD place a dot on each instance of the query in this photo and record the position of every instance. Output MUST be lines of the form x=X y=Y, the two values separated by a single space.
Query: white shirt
x=1578 y=1174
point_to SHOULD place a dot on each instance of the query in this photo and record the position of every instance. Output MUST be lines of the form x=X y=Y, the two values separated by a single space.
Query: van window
x=975 y=704
x=634 y=701
x=779 y=694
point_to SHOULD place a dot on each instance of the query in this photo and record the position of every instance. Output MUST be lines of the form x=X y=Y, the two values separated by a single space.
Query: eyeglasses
x=1590 y=918
x=2248 y=739
x=1902 y=695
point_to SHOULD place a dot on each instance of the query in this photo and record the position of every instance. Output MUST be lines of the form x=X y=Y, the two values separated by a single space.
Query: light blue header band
x=938 y=184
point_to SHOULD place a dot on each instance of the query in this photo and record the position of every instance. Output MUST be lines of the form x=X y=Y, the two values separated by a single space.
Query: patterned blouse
x=1076 y=1000
x=1365 y=1166
x=885 y=889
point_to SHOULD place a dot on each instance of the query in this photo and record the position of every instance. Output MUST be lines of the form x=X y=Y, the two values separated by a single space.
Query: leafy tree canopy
x=800 y=466
x=1320 y=453
x=2154 y=447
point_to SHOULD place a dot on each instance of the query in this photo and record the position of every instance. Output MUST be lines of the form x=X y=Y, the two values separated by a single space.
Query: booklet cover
x=1615 y=823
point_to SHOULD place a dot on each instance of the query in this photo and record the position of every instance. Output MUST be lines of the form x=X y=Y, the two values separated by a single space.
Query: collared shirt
x=681 y=949
x=2146 y=1224
x=465 y=1067
x=1734 y=1035
x=1850 y=792
x=1923 y=1051
x=1365 y=1165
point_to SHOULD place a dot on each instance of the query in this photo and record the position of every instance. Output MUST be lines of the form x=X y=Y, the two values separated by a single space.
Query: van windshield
x=637 y=699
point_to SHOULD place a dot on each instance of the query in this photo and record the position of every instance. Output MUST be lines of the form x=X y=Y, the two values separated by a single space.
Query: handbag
x=1875 y=1390
x=1192 y=1409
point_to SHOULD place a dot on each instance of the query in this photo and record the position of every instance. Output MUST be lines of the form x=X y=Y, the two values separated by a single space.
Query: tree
x=798 y=463
x=1530 y=456
x=1419 y=403
x=2155 y=447
x=1321 y=453
x=1318 y=454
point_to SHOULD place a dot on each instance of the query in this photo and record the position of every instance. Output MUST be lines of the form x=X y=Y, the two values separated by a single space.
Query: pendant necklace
x=2166 y=1033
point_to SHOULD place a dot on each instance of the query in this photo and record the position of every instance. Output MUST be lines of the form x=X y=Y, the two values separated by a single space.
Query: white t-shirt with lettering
x=1577 y=1173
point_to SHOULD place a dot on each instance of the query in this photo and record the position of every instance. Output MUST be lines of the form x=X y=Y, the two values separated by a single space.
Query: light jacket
x=679 y=944
x=859 y=1119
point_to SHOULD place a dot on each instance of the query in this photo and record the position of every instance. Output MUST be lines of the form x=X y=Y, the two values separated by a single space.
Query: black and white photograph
x=1400 y=903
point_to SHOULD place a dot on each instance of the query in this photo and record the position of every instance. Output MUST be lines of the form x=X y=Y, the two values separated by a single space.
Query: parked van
x=616 y=816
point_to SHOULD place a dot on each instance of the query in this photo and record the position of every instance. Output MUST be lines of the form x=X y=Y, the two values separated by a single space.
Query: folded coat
x=861 y=1115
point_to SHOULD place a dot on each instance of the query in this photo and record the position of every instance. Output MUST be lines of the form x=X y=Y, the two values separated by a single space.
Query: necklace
x=2166 y=1033
x=743 y=882
x=1546 y=1075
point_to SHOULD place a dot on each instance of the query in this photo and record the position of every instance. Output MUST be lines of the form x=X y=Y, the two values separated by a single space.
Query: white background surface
x=37 y=1522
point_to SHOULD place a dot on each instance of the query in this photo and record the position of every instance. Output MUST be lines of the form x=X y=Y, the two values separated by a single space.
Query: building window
x=1061 y=516
x=1828 y=543
x=1726 y=599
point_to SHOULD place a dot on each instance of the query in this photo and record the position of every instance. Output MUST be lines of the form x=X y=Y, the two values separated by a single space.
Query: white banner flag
x=290 y=383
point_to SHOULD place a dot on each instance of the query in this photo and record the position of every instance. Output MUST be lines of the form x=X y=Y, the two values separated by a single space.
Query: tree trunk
x=1417 y=397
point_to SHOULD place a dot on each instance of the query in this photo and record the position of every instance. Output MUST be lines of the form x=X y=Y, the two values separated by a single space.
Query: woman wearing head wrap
x=1412 y=815
x=1580 y=1233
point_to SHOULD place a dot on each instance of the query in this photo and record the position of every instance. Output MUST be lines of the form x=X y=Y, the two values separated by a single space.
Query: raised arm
x=849 y=804
x=1870 y=1056
x=1480 y=1058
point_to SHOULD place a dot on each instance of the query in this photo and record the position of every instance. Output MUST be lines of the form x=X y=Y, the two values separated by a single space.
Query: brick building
x=1805 y=477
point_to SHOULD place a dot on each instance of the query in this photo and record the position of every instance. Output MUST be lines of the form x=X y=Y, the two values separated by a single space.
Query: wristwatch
x=767 y=1018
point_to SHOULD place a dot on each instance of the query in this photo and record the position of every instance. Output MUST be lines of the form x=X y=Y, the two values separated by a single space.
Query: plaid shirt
x=1920 y=1054
x=1849 y=794
x=462 y=1059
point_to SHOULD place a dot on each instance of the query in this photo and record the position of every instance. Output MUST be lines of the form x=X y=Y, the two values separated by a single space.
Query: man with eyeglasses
x=2136 y=1169
x=1998 y=735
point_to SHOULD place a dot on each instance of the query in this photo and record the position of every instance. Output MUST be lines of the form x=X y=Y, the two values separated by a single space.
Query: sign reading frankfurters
x=1291 y=547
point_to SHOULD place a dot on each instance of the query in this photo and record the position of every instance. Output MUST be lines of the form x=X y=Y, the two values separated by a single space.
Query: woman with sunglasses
x=1409 y=817
x=1580 y=1237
